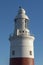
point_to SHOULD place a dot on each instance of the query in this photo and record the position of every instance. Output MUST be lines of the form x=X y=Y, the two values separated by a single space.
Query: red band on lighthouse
x=21 y=61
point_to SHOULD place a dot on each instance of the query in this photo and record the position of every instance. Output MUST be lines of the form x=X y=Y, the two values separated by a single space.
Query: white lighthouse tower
x=21 y=42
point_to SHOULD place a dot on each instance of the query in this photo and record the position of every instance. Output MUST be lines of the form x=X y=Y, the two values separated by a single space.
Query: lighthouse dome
x=22 y=14
x=21 y=10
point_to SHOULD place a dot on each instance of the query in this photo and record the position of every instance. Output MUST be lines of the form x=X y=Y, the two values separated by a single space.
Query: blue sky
x=8 y=11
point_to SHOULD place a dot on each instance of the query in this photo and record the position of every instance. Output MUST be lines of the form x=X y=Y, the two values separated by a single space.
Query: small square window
x=20 y=31
x=23 y=31
x=30 y=52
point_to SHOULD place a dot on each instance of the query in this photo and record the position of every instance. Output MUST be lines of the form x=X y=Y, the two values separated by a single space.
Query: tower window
x=26 y=31
x=13 y=52
x=23 y=31
x=20 y=31
x=30 y=52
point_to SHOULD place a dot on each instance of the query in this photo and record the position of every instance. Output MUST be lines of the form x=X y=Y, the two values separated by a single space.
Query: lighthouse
x=21 y=42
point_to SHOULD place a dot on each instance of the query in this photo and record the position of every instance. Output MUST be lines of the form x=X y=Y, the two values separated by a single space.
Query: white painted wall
x=22 y=47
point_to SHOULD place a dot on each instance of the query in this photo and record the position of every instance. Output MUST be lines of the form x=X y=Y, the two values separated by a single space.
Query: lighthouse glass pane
x=26 y=23
x=15 y=24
